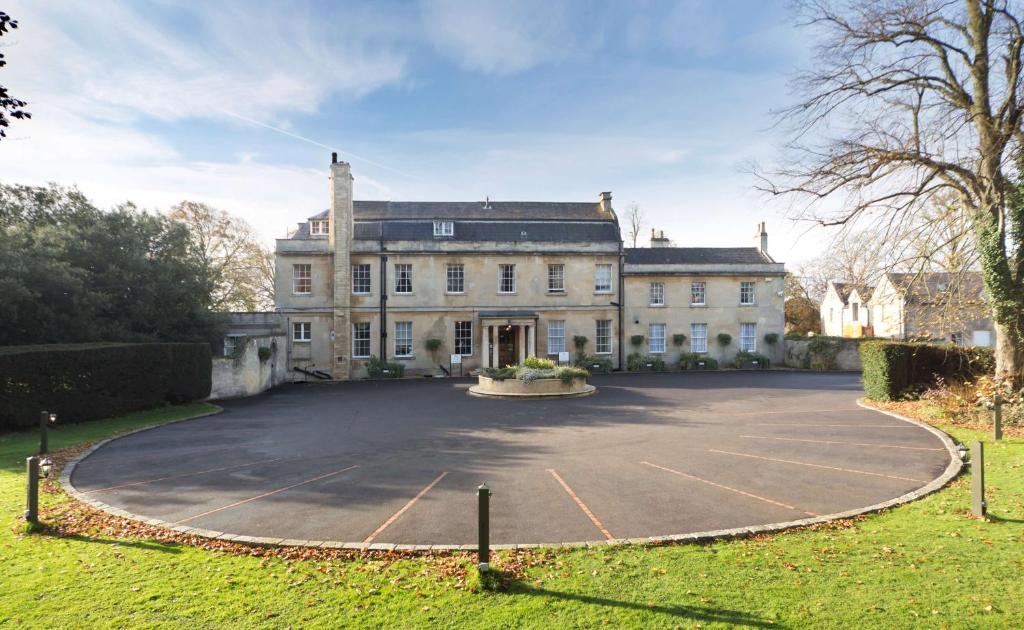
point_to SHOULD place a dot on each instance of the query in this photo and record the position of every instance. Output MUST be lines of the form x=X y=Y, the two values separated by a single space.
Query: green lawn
x=928 y=564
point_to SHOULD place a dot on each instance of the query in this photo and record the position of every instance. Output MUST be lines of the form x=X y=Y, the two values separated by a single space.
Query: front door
x=507 y=346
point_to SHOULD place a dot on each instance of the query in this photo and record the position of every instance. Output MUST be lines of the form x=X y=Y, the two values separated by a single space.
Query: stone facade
x=495 y=282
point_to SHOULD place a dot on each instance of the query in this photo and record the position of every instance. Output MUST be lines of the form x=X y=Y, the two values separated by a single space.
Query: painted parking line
x=851 y=426
x=182 y=475
x=265 y=495
x=581 y=504
x=789 y=461
x=394 y=517
x=909 y=448
x=724 y=487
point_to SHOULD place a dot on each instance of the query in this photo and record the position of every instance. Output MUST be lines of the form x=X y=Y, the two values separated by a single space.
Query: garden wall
x=244 y=373
x=798 y=353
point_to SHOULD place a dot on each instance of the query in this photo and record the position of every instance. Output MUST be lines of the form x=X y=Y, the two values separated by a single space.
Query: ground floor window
x=361 y=340
x=603 y=342
x=403 y=339
x=656 y=338
x=748 y=337
x=698 y=337
x=556 y=336
x=231 y=344
x=464 y=338
x=302 y=331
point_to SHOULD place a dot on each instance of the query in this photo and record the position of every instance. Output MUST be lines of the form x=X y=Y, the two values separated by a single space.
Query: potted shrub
x=678 y=340
x=433 y=345
x=636 y=341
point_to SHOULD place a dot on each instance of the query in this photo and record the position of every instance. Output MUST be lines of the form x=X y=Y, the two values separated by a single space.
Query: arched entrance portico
x=507 y=337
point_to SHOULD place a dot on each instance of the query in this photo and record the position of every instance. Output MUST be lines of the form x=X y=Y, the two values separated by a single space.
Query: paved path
x=398 y=462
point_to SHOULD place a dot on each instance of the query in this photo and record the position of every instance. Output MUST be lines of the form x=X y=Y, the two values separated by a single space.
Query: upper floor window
x=444 y=228
x=403 y=278
x=361 y=279
x=603 y=279
x=302 y=279
x=747 y=293
x=748 y=337
x=556 y=278
x=456 y=279
x=698 y=293
x=318 y=227
x=657 y=294
x=506 y=278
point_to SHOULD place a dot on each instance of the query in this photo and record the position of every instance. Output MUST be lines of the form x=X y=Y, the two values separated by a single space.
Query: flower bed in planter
x=536 y=378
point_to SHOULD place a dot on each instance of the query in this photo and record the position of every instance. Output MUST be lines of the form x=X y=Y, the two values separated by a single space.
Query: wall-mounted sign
x=456 y=359
x=563 y=357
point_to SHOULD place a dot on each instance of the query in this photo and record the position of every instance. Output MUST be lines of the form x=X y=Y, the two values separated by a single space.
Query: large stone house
x=494 y=282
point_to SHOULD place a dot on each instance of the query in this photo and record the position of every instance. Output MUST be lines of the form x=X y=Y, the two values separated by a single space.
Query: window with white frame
x=855 y=311
x=456 y=279
x=556 y=336
x=556 y=278
x=444 y=228
x=403 y=339
x=698 y=293
x=361 y=340
x=302 y=279
x=747 y=295
x=656 y=338
x=302 y=331
x=603 y=279
x=403 y=278
x=464 y=338
x=748 y=337
x=603 y=338
x=318 y=227
x=698 y=337
x=506 y=278
x=657 y=294
x=231 y=344
x=361 y=279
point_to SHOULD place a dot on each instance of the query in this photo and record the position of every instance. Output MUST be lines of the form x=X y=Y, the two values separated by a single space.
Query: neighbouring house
x=933 y=306
x=846 y=310
x=494 y=282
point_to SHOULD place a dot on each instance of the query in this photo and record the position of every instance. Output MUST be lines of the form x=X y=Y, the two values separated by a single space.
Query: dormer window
x=318 y=227
x=444 y=228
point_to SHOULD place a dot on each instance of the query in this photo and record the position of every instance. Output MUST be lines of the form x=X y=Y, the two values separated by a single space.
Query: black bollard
x=483 y=494
x=32 y=490
x=978 y=505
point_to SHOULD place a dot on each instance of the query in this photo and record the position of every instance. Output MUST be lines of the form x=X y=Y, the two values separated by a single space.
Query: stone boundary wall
x=243 y=374
x=848 y=358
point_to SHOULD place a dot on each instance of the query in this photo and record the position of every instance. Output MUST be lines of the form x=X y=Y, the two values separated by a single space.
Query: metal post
x=32 y=490
x=999 y=418
x=978 y=506
x=483 y=494
x=44 y=436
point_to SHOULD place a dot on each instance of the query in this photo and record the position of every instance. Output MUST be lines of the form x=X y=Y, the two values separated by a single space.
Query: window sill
x=366 y=358
x=656 y=305
x=396 y=294
x=362 y=294
x=556 y=292
x=753 y=304
x=608 y=292
x=699 y=305
x=512 y=293
x=302 y=341
x=404 y=357
x=603 y=353
x=301 y=294
x=455 y=293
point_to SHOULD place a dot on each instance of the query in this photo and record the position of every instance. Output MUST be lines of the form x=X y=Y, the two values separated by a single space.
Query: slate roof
x=695 y=256
x=495 y=210
x=546 y=231
x=923 y=288
x=845 y=290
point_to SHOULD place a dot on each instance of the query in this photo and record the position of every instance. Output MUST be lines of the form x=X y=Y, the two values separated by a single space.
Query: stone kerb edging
x=951 y=471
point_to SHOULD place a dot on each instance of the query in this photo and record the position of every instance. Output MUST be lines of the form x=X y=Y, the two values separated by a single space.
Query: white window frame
x=357 y=273
x=748 y=284
x=748 y=342
x=403 y=339
x=466 y=338
x=357 y=328
x=298 y=277
x=556 y=336
x=319 y=227
x=231 y=344
x=455 y=272
x=656 y=294
x=699 y=342
x=606 y=346
x=302 y=332
x=598 y=279
x=855 y=311
x=656 y=339
x=444 y=228
x=502 y=268
x=556 y=278
x=700 y=287
x=403 y=272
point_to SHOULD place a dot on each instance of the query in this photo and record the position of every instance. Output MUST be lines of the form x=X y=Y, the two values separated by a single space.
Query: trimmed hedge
x=82 y=382
x=893 y=367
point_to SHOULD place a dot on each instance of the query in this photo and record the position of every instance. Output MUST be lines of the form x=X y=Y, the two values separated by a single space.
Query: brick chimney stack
x=658 y=239
x=762 y=238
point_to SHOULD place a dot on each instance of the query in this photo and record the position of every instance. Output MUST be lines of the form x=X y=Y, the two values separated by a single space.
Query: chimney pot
x=334 y=157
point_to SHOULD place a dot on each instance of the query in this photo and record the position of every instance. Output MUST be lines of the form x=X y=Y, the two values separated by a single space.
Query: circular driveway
x=399 y=462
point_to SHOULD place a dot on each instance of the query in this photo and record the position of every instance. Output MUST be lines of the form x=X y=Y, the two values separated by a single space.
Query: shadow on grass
x=144 y=545
x=1001 y=519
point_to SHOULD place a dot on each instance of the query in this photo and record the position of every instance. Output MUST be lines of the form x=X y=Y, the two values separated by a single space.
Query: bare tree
x=851 y=256
x=634 y=222
x=907 y=99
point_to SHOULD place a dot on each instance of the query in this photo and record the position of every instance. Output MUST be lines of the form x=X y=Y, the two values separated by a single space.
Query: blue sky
x=663 y=103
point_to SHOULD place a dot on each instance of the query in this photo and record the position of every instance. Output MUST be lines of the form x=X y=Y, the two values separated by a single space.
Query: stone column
x=494 y=346
x=521 y=343
x=485 y=355
x=531 y=341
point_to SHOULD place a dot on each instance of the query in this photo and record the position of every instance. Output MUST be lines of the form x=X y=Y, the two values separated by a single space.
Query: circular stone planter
x=540 y=388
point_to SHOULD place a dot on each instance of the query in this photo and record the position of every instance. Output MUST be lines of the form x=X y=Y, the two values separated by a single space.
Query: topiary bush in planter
x=693 y=361
x=745 y=360
x=771 y=339
x=636 y=341
x=580 y=343
x=594 y=364
x=539 y=363
x=376 y=368
x=637 y=362
x=678 y=340
x=724 y=339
